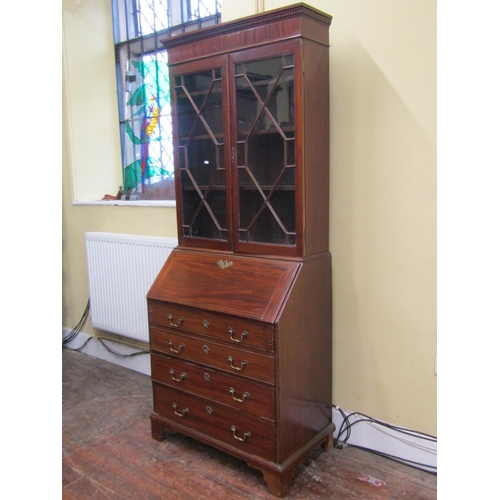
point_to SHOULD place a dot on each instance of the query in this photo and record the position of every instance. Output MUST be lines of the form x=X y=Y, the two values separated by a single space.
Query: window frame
x=133 y=42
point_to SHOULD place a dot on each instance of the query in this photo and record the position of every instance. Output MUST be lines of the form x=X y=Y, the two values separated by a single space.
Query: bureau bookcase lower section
x=259 y=389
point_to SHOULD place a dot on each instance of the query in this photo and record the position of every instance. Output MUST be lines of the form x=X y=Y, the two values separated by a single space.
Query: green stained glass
x=148 y=125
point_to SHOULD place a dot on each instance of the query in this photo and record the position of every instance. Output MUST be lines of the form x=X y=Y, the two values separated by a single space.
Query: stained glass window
x=143 y=87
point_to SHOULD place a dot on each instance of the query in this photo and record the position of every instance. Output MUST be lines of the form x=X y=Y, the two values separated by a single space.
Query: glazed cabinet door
x=200 y=150
x=238 y=151
x=266 y=109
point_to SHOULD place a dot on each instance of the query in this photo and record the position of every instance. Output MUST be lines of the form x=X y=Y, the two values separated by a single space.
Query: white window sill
x=132 y=203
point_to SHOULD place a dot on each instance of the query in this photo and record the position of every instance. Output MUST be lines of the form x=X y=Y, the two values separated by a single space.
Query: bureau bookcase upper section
x=250 y=113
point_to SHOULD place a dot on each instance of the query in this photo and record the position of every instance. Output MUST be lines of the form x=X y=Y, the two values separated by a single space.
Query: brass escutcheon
x=224 y=264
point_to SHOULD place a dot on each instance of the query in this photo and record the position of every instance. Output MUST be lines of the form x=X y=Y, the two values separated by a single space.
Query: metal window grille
x=142 y=82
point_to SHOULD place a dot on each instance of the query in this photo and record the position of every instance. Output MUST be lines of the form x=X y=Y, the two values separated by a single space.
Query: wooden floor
x=108 y=452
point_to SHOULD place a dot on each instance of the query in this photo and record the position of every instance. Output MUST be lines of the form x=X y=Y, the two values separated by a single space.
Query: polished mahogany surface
x=249 y=287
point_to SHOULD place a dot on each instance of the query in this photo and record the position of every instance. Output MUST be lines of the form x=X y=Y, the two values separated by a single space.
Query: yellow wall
x=383 y=190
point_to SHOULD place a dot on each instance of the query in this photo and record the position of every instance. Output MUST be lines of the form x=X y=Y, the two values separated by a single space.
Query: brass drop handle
x=231 y=331
x=182 y=413
x=176 y=325
x=245 y=396
x=243 y=364
x=180 y=379
x=245 y=436
x=176 y=351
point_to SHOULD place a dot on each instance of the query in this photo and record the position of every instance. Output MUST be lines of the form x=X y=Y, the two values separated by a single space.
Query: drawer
x=238 y=392
x=232 y=360
x=216 y=421
x=227 y=328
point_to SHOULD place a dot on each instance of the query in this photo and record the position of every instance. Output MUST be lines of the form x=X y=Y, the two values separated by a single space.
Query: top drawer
x=236 y=331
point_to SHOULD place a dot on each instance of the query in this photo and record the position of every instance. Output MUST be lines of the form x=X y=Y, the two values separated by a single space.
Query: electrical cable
x=78 y=349
x=136 y=353
x=371 y=420
x=345 y=427
x=367 y=418
x=345 y=421
x=77 y=330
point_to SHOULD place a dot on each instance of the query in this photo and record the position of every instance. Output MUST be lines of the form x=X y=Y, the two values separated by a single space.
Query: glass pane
x=198 y=82
x=201 y=155
x=266 y=157
x=248 y=108
x=147 y=128
x=139 y=26
x=266 y=150
x=186 y=114
x=212 y=110
x=199 y=104
x=201 y=161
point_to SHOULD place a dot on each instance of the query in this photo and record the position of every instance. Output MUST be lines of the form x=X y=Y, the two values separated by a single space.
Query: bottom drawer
x=215 y=420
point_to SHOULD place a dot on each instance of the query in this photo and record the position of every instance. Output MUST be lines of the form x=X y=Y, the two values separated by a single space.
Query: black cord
x=345 y=427
x=78 y=348
x=426 y=437
x=78 y=328
x=348 y=426
x=136 y=353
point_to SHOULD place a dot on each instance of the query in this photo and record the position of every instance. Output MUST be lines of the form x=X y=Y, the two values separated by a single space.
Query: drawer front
x=232 y=360
x=215 y=420
x=231 y=329
x=238 y=392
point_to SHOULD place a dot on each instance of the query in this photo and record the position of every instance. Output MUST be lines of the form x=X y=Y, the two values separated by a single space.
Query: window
x=143 y=90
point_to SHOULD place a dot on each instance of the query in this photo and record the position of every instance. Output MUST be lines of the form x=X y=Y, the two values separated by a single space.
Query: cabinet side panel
x=313 y=30
x=304 y=347
x=316 y=147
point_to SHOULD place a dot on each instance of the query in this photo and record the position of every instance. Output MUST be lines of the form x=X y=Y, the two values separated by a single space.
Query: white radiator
x=121 y=269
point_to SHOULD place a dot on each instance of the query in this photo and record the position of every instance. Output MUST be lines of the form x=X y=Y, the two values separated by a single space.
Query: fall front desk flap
x=251 y=287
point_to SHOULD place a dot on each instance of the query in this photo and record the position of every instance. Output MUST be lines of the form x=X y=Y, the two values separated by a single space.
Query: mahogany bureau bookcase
x=240 y=316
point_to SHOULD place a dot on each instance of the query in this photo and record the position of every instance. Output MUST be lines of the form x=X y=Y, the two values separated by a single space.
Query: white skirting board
x=411 y=446
x=140 y=363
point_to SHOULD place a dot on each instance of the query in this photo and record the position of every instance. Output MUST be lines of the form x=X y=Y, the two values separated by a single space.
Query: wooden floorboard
x=108 y=452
